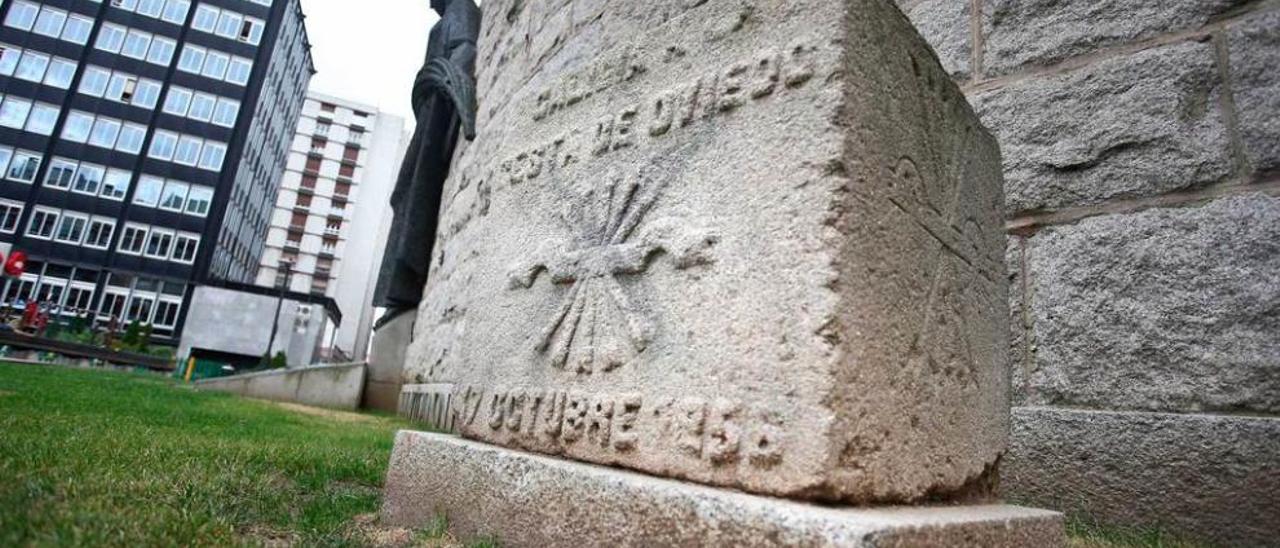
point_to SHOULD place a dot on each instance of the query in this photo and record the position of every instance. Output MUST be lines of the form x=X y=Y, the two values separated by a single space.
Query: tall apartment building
x=138 y=140
x=327 y=227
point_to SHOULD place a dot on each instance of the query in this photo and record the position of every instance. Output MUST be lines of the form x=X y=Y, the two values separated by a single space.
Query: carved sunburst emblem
x=598 y=327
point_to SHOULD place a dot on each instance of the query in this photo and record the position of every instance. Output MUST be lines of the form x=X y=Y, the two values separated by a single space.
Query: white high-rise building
x=326 y=232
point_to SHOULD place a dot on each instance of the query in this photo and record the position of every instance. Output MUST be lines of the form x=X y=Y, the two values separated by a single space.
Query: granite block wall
x=1141 y=145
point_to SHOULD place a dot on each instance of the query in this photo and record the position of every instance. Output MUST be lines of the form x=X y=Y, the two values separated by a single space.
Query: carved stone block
x=750 y=244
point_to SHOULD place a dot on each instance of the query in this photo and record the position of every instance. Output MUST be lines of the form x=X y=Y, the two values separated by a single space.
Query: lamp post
x=275 y=320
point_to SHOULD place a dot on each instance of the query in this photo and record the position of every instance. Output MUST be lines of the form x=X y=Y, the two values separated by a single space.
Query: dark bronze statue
x=444 y=105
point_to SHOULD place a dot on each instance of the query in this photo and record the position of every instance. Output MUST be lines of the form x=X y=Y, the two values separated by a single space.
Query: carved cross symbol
x=598 y=327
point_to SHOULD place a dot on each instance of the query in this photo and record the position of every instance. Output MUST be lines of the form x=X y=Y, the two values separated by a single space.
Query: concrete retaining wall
x=332 y=386
x=1141 y=145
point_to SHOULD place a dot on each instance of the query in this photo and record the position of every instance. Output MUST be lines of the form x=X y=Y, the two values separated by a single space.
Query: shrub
x=132 y=336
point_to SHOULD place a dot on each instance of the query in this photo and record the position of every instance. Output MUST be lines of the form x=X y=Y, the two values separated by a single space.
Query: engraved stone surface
x=518 y=499
x=749 y=244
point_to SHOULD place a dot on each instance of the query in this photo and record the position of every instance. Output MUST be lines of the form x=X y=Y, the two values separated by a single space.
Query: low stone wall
x=333 y=386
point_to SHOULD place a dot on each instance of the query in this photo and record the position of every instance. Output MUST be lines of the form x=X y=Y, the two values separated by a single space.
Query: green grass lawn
x=100 y=458
x=94 y=458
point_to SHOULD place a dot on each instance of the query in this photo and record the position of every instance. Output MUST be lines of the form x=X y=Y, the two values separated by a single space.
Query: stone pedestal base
x=386 y=363
x=521 y=499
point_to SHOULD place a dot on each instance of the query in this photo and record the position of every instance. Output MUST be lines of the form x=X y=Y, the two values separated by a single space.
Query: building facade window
x=133 y=239
x=159 y=244
x=215 y=64
x=121 y=87
x=174 y=197
x=184 y=247
x=71 y=228
x=187 y=150
x=136 y=44
x=171 y=11
x=10 y=213
x=23 y=166
x=100 y=231
x=48 y=21
x=103 y=132
x=228 y=24
x=43 y=222
x=37 y=67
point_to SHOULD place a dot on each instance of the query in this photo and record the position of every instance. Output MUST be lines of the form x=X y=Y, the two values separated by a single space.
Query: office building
x=327 y=228
x=141 y=143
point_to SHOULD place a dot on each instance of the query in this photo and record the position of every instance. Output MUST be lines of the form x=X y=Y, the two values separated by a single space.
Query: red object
x=30 y=314
x=17 y=264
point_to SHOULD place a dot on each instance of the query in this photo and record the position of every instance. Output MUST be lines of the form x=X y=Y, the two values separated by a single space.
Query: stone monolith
x=749 y=244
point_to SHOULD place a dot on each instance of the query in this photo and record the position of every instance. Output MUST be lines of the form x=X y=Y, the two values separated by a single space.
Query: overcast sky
x=369 y=53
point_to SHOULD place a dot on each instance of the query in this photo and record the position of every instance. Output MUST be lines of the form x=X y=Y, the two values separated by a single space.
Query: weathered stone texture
x=1019 y=343
x=1255 y=79
x=1168 y=309
x=754 y=245
x=1126 y=127
x=1171 y=309
x=519 y=499
x=1018 y=33
x=1211 y=477
x=945 y=24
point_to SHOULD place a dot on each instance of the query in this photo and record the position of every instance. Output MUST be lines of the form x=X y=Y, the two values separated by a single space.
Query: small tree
x=78 y=325
x=132 y=336
x=280 y=361
x=144 y=342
